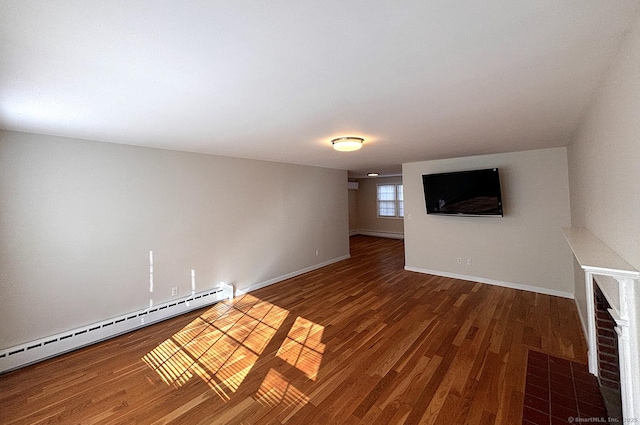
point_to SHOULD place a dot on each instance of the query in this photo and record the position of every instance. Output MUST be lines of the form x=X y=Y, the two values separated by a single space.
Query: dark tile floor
x=558 y=391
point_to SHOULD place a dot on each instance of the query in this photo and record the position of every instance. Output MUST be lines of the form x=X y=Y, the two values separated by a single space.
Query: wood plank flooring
x=359 y=342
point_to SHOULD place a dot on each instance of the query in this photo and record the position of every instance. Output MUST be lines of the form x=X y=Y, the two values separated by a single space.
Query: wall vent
x=34 y=351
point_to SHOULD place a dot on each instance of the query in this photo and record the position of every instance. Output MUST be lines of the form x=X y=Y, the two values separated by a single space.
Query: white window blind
x=390 y=200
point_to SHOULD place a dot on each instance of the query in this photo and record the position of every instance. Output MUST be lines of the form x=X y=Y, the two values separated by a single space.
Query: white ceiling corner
x=278 y=80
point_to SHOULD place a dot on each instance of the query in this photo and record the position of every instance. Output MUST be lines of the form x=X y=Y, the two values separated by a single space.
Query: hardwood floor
x=360 y=341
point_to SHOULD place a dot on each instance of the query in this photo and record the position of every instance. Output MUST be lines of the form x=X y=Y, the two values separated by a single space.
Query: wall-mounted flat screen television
x=475 y=193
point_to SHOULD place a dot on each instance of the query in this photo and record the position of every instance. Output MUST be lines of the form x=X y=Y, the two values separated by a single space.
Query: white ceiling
x=277 y=80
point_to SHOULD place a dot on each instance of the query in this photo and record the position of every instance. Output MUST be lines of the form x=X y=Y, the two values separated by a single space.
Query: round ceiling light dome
x=347 y=144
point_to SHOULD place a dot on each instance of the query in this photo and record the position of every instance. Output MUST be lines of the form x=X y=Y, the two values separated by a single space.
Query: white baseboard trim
x=539 y=290
x=259 y=285
x=35 y=351
x=353 y=232
x=44 y=348
x=378 y=234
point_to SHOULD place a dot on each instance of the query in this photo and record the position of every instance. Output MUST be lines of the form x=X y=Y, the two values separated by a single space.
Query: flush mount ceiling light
x=347 y=144
x=372 y=175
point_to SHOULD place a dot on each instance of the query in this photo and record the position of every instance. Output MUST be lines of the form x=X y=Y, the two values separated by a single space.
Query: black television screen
x=474 y=192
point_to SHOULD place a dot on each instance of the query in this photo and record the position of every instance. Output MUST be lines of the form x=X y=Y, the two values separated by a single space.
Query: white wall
x=353 y=211
x=523 y=249
x=604 y=161
x=78 y=219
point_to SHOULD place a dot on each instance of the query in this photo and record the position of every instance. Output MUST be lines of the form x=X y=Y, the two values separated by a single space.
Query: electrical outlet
x=317 y=252
x=459 y=260
x=468 y=261
x=174 y=291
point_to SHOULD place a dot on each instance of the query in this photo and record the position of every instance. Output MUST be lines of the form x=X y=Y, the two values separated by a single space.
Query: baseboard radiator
x=377 y=233
x=24 y=354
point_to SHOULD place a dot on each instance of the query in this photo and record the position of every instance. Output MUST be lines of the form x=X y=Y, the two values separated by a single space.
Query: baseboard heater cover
x=377 y=233
x=32 y=352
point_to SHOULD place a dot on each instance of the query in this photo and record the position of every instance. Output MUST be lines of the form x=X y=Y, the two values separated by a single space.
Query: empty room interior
x=346 y=212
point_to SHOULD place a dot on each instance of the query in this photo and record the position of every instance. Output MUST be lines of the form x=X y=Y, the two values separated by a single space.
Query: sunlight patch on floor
x=277 y=390
x=303 y=348
x=222 y=345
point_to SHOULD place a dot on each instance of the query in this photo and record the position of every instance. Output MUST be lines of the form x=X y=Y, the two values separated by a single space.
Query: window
x=390 y=201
